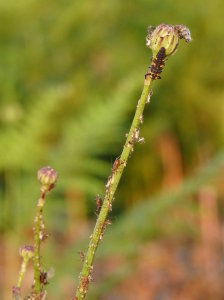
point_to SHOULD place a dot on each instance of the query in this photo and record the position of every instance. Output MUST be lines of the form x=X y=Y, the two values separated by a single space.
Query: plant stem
x=22 y=272
x=16 y=289
x=37 y=241
x=111 y=186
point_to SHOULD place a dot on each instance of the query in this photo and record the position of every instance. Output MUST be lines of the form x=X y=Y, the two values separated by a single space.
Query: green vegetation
x=70 y=75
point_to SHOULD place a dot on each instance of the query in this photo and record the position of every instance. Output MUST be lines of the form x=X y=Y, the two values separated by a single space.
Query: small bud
x=16 y=292
x=27 y=251
x=166 y=36
x=47 y=177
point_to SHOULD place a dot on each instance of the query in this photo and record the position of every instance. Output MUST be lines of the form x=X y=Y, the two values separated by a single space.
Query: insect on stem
x=157 y=64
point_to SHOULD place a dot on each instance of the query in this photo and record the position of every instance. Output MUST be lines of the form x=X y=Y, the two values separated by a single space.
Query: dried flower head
x=166 y=36
x=48 y=178
x=183 y=32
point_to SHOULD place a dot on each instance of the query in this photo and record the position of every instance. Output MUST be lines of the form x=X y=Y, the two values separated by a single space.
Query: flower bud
x=166 y=36
x=47 y=177
x=16 y=292
x=27 y=252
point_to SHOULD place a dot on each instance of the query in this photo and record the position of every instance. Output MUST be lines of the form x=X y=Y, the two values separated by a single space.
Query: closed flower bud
x=47 y=177
x=27 y=252
x=166 y=36
x=16 y=292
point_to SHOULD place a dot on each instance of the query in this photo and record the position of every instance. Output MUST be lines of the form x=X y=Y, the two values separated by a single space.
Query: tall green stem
x=111 y=186
x=37 y=241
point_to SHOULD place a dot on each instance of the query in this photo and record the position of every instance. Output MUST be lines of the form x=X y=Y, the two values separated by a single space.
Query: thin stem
x=22 y=272
x=37 y=241
x=16 y=289
x=111 y=186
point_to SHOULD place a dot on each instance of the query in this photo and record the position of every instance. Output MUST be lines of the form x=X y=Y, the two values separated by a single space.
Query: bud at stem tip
x=166 y=36
x=26 y=252
x=48 y=178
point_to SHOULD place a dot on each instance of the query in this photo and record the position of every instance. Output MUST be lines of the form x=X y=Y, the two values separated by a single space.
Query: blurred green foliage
x=71 y=74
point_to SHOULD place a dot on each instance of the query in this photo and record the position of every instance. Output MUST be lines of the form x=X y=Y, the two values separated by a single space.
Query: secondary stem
x=111 y=186
x=22 y=272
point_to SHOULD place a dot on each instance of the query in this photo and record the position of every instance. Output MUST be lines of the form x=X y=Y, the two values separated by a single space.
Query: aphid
x=131 y=143
x=183 y=32
x=116 y=165
x=85 y=283
x=149 y=96
x=107 y=222
x=141 y=140
x=82 y=255
x=99 y=203
x=109 y=182
x=44 y=276
x=43 y=235
x=136 y=134
x=157 y=64
x=141 y=119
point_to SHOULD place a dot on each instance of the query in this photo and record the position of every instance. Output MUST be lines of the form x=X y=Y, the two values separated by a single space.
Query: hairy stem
x=111 y=186
x=37 y=241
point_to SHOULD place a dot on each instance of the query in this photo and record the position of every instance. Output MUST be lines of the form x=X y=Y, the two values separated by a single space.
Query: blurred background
x=70 y=77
